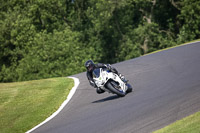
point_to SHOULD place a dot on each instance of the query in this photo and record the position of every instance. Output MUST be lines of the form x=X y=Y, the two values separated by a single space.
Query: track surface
x=167 y=88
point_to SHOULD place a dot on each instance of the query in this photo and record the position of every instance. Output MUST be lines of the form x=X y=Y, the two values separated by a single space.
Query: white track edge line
x=71 y=93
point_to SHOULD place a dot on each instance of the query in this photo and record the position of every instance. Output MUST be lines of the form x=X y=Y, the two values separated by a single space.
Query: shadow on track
x=107 y=99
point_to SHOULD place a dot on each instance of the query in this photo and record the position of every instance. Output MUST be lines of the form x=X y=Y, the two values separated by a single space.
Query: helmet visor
x=90 y=67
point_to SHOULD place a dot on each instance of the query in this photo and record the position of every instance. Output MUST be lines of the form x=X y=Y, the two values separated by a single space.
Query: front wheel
x=129 y=88
x=114 y=89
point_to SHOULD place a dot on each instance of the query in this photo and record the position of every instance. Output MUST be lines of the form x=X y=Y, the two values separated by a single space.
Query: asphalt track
x=167 y=88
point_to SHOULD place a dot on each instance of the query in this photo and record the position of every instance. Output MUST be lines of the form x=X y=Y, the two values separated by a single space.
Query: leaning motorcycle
x=110 y=82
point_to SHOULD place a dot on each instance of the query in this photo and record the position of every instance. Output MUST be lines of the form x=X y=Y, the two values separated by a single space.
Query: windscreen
x=96 y=73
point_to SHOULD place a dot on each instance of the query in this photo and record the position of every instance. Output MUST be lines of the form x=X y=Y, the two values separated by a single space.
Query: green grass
x=190 y=124
x=23 y=105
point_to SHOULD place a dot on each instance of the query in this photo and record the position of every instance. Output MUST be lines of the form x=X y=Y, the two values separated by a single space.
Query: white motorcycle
x=110 y=82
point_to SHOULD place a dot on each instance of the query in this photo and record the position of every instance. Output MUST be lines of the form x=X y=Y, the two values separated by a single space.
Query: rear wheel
x=114 y=89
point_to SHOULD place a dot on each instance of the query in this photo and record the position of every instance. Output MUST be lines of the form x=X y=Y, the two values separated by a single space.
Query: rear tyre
x=114 y=89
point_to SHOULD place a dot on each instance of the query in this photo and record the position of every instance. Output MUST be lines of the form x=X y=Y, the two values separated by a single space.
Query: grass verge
x=23 y=105
x=190 y=124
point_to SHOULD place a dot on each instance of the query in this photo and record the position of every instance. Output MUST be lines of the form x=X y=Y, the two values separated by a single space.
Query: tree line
x=51 y=38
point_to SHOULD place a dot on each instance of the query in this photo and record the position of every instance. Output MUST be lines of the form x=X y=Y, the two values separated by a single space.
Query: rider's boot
x=99 y=90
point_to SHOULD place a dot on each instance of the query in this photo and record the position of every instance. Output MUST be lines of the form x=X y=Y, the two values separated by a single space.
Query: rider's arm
x=108 y=66
x=91 y=81
x=101 y=65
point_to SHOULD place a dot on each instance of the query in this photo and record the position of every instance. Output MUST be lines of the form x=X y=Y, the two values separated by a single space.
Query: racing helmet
x=89 y=65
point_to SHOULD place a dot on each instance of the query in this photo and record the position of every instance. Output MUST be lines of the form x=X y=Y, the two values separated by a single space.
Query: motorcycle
x=110 y=82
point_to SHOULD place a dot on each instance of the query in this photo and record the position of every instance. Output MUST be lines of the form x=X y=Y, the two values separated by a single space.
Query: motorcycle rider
x=90 y=66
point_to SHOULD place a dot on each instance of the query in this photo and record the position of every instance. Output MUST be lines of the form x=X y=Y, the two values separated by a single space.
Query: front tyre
x=114 y=89
x=129 y=88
